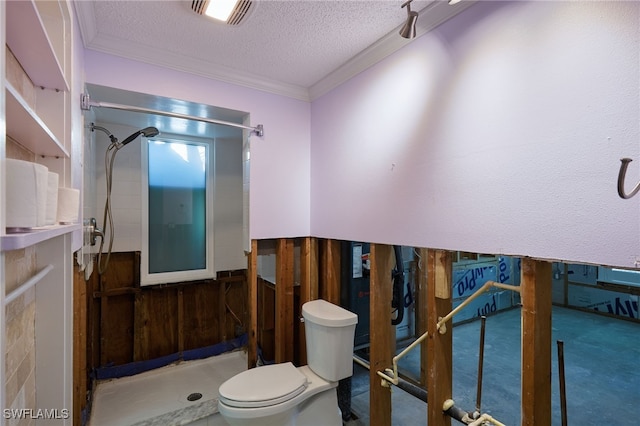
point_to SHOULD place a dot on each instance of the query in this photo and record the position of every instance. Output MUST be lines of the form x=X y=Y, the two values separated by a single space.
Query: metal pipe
x=449 y=408
x=456 y=413
x=412 y=389
x=483 y=320
x=563 y=391
x=22 y=288
x=258 y=130
x=405 y=385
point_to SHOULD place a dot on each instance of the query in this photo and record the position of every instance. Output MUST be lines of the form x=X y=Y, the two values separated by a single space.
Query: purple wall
x=499 y=132
x=279 y=172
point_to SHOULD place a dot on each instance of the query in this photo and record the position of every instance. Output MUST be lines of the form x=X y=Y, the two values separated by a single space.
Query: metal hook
x=621 y=175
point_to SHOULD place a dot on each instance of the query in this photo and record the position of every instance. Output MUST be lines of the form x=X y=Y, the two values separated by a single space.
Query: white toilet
x=281 y=394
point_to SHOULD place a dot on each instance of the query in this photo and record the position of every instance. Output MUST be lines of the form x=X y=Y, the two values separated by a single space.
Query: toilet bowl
x=282 y=394
x=279 y=395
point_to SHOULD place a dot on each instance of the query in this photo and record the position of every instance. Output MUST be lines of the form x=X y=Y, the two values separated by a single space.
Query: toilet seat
x=263 y=386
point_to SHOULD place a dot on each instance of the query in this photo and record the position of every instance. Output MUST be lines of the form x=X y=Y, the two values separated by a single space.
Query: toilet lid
x=263 y=386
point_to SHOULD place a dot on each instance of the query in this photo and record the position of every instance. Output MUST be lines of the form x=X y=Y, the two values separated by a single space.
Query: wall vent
x=237 y=16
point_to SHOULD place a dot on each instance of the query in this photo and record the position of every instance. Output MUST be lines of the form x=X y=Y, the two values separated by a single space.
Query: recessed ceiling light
x=220 y=9
x=230 y=11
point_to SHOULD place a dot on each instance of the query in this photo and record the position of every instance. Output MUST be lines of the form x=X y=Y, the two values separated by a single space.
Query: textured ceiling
x=296 y=48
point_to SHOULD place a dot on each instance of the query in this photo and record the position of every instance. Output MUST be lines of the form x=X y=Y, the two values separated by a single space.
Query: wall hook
x=623 y=171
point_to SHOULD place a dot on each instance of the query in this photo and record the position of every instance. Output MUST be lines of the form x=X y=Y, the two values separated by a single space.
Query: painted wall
x=499 y=132
x=279 y=172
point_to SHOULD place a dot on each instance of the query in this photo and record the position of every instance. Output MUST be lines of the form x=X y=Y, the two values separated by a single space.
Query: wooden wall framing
x=117 y=322
x=128 y=323
x=382 y=333
x=439 y=345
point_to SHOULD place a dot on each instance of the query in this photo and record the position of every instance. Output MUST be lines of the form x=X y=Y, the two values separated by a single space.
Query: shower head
x=147 y=132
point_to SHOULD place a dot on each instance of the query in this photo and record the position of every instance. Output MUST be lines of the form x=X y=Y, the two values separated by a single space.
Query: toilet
x=282 y=394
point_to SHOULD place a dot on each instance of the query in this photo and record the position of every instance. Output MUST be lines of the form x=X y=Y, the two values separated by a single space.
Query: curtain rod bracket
x=85 y=102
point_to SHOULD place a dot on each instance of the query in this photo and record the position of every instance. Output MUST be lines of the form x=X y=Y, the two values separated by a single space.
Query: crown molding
x=431 y=16
x=86 y=14
x=160 y=57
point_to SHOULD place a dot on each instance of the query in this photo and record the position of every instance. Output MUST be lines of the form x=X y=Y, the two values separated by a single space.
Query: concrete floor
x=602 y=357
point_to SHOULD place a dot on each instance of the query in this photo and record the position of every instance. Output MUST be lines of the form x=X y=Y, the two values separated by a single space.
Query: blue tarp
x=115 y=371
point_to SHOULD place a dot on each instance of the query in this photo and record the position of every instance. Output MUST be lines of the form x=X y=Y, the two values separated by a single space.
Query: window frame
x=619 y=276
x=147 y=278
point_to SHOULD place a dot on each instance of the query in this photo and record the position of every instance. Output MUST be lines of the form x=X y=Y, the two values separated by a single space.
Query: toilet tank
x=329 y=331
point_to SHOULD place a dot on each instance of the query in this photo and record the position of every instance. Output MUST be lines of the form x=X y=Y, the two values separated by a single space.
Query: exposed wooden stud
x=180 y=321
x=382 y=342
x=222 y=311
x=439 y=346
x=104 y=308
x=308 y=285
x=140 y=337
x=308 y=269
x=536 y=342
x=284 y=300
x=252 y=285
x=330 y=271
x=421 y=309
x=79 y=344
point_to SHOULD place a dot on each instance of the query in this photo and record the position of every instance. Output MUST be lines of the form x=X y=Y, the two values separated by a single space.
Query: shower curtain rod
x=87 y=103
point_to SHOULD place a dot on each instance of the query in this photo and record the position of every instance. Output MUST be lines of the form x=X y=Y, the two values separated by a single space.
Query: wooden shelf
x=33 y=46
x=35 y=236
x=25 y=126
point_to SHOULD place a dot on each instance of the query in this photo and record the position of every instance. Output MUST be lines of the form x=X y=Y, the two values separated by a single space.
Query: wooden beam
x=252 y=296
x=284 y=300
x=536 y=342
x=181 y=325
x=439 y=346
x=382 y=342
x=308 y=285
x=308 y=269
x=79 y=344
x=222 y=310
x=330 y=271
x=140 y=337
x=421 y=309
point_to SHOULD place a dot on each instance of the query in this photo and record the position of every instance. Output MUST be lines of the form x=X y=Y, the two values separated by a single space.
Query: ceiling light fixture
x=452 y=2
x=220 y=9
x=230 y=11
x=409 y=28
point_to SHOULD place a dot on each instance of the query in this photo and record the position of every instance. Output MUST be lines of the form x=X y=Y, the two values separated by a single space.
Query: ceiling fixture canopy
x=230 y=11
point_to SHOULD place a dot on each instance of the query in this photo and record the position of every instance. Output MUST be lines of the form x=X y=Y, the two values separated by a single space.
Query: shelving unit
x=38 y=33
x=38 y=51
x=25 y=125
x=37 y=235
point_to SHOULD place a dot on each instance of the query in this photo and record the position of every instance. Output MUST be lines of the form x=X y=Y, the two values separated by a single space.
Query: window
x=177 y=243
x=619 y=276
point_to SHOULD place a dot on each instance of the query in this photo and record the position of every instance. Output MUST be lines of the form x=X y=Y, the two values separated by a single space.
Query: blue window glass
x=177 y=206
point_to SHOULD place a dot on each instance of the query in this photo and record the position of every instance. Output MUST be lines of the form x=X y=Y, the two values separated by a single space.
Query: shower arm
x=112 y=138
